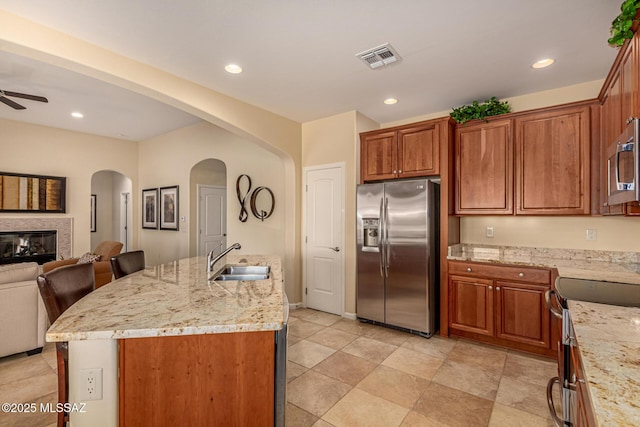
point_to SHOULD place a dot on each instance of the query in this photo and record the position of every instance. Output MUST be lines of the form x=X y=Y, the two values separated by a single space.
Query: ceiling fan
x=15 y=105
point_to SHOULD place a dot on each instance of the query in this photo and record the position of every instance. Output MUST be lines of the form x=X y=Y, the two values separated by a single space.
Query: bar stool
x=127 y=263
x=60 y=289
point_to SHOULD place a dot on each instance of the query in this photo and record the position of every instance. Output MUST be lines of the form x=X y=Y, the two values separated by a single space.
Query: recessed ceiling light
x=77 y=115
x=390 y=101
x=543 y=63
x=233 y=68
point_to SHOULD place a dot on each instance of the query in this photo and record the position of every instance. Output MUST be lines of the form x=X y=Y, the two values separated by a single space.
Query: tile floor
x=31 y=379
x=347 y=373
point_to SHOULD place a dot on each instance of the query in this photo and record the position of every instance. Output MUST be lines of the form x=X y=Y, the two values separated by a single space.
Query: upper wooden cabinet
x=484 y=168
x=401 y=152
x=619 y=103
x=537 y=160
x=552 y=162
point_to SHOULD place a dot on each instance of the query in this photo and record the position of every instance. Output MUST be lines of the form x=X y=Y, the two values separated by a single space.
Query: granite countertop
x=176 y=298
x=607 y=266
x=609 y=341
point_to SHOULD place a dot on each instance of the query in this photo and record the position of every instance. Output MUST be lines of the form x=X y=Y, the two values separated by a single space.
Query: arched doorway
x=208 y=185
x=113 y=207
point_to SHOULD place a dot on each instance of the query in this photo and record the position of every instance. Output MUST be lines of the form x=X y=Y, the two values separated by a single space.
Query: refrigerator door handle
x=381 y=239
x=387 y=250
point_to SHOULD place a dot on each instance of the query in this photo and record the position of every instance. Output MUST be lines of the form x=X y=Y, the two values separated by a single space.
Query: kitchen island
x=177 y=347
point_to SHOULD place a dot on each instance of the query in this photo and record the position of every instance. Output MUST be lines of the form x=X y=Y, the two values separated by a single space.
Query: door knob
x=336 y=249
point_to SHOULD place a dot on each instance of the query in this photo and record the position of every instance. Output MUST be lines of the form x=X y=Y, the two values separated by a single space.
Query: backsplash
x=522 y=254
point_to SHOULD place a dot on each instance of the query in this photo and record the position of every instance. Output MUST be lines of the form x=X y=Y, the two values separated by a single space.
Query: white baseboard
x=350 y=316
x=295 y=305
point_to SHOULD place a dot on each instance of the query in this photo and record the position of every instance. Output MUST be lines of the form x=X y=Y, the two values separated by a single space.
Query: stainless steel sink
x=613 y=293
x=242 y=272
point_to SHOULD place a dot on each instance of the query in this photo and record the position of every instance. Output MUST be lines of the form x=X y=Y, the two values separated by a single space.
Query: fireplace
x=28 y=246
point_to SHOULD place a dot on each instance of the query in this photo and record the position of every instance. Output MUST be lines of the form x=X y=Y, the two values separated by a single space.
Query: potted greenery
x=623 y=27
x=490 y=107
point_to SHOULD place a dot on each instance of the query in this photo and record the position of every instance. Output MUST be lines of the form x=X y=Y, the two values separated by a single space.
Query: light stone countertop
x=176 y=298
x=609 y=341
x=608 y=335
x=607 y=266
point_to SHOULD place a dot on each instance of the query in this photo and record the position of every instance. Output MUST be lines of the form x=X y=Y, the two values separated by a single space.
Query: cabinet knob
x=490 y=288
x=395 y=171
x=469 y=269
x=520 y=274
x=400 y=171
x=497 y=288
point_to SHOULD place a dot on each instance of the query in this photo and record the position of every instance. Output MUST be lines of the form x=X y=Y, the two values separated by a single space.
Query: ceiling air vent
x=379 y=56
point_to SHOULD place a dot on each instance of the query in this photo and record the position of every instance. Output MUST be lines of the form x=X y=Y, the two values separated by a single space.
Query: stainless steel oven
x=623 y=166
x=566 y=378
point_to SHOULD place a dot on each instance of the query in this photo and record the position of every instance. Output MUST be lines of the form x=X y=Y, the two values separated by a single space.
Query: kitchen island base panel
x=198 y=380
x=92 y=354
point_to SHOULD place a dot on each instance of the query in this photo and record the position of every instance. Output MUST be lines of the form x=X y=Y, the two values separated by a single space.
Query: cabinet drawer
x=501 y=272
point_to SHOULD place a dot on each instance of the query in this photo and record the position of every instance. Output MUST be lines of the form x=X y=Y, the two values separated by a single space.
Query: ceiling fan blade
x=26 y=96
x=11 y=103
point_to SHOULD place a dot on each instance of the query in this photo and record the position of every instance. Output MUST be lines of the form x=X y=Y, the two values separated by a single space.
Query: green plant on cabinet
x=621 y=27
x=490 y=107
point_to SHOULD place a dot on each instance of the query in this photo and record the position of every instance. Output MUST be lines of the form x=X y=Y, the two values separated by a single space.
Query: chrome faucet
x=211 y=260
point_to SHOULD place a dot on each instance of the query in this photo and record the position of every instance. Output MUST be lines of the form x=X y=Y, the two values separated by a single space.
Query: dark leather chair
x=127 y=263
x=60 y=289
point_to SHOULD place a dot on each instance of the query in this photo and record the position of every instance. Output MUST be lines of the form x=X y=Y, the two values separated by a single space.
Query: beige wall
x=331 y=140
x=41 y=150
x=168 y=159
x=613 y=233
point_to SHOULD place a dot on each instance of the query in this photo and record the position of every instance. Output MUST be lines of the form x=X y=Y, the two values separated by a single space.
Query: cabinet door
x=378 y=156
x=521 y=314
x=471 y=305
x=484 y=169
x=552 y=162
x=418 y=151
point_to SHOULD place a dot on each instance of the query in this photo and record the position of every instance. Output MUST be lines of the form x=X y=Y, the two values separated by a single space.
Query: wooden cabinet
x=502 y=305
x=402 y=152
x=552 y=162
x=538 y=161
x=620 y=101
x=195 y=380
x=484 y=168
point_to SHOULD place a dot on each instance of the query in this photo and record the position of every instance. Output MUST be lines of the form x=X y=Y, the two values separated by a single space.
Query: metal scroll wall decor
x=242 y=198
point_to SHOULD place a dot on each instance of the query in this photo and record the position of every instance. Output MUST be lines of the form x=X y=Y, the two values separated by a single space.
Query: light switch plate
x=489 y=231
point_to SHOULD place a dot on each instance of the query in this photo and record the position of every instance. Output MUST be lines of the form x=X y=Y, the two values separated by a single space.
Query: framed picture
x=32 y=193
x=93 y=213
x=150 y=208
x=169 y=208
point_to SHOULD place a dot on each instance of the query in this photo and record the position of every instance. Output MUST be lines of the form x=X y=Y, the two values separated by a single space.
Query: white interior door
x=324 y=229
x=212 y=225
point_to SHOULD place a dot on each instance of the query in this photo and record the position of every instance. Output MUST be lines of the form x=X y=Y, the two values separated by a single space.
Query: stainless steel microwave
x=623 y=167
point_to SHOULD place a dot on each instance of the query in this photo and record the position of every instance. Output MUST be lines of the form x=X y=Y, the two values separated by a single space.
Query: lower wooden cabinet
x=502 y=305
x=222 y=379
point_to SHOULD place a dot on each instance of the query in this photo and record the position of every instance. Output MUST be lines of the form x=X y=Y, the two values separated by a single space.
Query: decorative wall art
x=150 y=208
x=93 y=213
x=244 y=215
x=169 y=211
x=261 y=214
x=32 y=193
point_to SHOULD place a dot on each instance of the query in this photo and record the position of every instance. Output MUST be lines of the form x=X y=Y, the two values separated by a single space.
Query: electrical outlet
x=91 y=384
x=592 y=234
x=489 y=231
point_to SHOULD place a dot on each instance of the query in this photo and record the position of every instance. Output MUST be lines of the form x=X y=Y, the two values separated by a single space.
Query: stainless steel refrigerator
x=398 y=254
